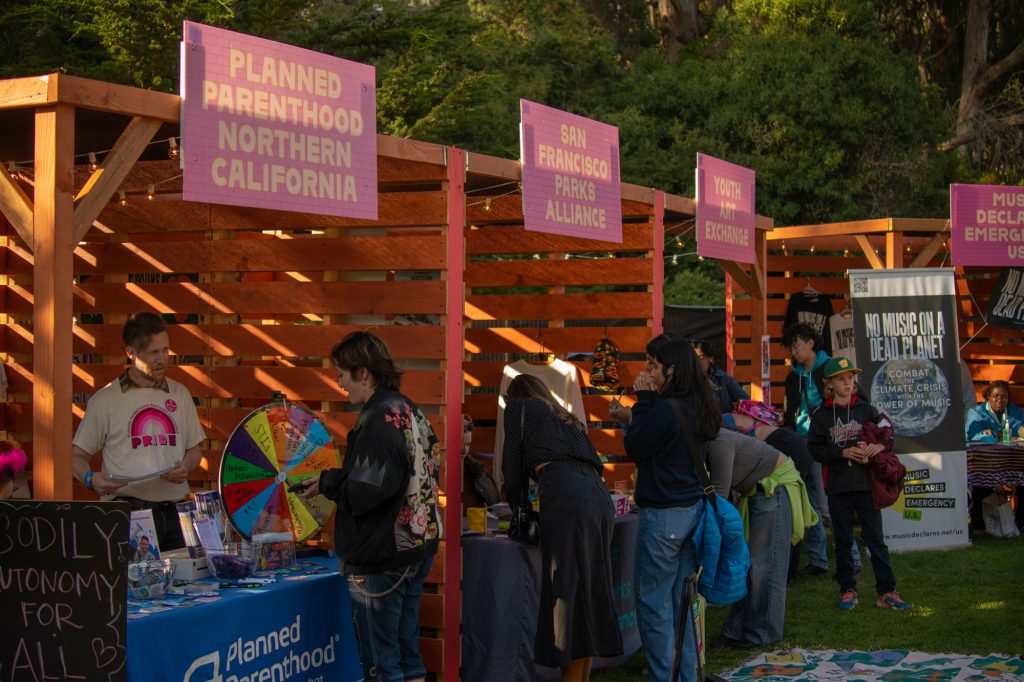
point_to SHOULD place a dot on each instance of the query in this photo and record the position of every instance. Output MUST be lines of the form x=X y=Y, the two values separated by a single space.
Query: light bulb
x=121 y=198
x=675 y=260
x=151 y=191
x=487 y=205
x=172 y=150
x=812 y=248
x=92 y=160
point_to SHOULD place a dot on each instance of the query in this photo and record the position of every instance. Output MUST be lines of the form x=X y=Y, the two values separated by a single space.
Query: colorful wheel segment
x=274 y=447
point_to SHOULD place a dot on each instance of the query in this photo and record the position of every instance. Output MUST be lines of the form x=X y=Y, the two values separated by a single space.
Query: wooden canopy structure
x=820 y=257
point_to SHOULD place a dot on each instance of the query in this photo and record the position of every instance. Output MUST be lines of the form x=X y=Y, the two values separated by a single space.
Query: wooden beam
x=658 y=261
x=928 y=252
x=16 y=206
x=20 y=93
x=681 y=205
x=893 y=250
x=758 y=312
x=410 y=150
x=52 y=306
x=760 y=260
x=84 y=93
x=827 y=229
x=869 y=252
x=102 y=184
x=741 y=276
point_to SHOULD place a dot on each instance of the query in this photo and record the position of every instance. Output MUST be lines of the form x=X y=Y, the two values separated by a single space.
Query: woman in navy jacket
x=668 y=491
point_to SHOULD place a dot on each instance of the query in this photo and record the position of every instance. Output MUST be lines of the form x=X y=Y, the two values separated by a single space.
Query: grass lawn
x=967 y=601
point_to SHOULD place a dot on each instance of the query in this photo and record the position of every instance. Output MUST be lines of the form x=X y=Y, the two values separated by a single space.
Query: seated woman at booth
x=987 y=422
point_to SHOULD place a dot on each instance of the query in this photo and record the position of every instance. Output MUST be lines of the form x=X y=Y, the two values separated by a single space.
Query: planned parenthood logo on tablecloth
x=725 y=210
x=570 y=174
x=269 y=125
x=987 y=224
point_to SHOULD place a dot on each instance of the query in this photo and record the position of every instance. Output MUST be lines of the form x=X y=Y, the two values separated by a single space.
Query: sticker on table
x=273 y=448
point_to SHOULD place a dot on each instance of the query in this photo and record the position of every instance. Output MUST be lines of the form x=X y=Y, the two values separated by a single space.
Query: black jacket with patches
x=833 y=428
x=386 y=489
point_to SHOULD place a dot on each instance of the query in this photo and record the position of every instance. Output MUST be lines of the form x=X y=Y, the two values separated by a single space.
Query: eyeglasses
x=998 y=397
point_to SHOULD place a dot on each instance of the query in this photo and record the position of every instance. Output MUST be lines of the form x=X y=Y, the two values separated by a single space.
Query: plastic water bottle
x=1006 y=433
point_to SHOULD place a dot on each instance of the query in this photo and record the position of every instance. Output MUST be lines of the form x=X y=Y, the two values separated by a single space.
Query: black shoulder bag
x=525 y=524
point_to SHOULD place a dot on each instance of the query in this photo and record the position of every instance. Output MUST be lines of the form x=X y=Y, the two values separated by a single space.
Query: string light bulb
x=846 y=253
x=783 y=248
x=121 y=198
x=679 y=240
x=92 y=160
x=675 y=259
x=536 y=256
x=487 y=205
x=812 y=248
x=700 y=258
x=172 y=148
x=12 y=168
x=151 y=191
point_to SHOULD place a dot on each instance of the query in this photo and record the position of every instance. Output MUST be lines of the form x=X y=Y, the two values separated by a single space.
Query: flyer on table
x=907 y=341
x=987 y=225
x=725 y=210
x=270 y=125
x=570 y=174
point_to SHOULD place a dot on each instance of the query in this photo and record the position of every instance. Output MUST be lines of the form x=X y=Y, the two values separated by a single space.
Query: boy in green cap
x=835 y=440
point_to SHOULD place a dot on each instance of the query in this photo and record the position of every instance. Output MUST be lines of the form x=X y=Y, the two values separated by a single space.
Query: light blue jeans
x=814 y=537
x=759 y=617
x=665 y=556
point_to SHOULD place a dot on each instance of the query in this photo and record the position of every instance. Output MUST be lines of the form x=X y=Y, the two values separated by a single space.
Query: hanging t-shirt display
x=812 y=309
x=841 y=327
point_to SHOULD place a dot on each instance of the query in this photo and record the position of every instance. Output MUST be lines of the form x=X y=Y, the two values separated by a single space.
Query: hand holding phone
x=298 y=487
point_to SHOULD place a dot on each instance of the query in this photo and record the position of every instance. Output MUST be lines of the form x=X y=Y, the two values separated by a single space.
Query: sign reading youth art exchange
x=269 y=125
x=987 y=224
x=907 y=340
x=725 y=210
x=570 y=174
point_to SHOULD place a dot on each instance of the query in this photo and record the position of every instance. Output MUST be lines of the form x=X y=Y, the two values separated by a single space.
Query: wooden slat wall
x=258 y=299
x=532 y=295
x=992 y=353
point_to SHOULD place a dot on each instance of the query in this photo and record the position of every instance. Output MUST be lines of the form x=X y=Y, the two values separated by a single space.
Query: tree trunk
x=979 y=13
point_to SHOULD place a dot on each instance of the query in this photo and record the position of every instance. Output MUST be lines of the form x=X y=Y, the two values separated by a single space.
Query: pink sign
x=570 y=174
x=269 y=125
x=725 y=210
x=987 y=225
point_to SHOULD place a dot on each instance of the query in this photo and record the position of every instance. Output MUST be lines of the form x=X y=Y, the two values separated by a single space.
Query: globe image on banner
x=914 y=392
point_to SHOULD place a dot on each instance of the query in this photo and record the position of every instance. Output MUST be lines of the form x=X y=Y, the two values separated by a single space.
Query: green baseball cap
x=839 y=365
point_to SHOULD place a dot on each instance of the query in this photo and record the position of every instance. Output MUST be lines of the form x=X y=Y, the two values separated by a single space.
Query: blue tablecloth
x=297 y=628
x=500 y=598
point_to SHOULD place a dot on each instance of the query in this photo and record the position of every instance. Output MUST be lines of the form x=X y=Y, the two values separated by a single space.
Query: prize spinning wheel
x=274 y=447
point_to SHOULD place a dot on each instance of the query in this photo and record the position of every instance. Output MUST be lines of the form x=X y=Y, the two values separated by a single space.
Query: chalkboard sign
x=63 y=570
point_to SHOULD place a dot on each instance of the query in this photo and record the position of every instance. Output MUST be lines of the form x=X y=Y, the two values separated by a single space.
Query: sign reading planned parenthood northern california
x=987 y=225
x=725 y=210
x=269 y=125
x=570 y=174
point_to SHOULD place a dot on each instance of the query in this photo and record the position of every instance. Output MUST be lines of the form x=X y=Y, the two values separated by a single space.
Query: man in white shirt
x=148 y=430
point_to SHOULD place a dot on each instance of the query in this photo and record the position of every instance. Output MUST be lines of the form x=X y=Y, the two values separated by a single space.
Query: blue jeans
x=665 y=556
x=759 y=617
x=387 y=627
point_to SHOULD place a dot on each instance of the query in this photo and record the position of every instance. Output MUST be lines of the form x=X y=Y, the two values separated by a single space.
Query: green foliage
x=806 y=93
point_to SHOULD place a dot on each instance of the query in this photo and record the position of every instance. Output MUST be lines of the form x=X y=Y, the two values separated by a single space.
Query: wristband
x=87 y=480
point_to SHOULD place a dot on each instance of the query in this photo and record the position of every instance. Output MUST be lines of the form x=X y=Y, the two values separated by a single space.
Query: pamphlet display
x=273 y=448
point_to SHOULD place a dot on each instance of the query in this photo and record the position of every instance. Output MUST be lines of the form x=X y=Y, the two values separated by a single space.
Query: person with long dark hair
x=577 y=618
x=388 y=522
x=668 y=492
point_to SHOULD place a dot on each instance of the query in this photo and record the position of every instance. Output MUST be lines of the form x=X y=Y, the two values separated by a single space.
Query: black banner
x=1006 y=304
x=63 y=590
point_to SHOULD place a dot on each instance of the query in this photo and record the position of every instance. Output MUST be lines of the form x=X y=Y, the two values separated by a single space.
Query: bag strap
x=524 y=494
x=686 y=613
x=698 y=463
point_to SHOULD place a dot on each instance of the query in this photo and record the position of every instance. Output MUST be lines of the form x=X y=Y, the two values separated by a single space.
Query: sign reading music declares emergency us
x=570 y=174
x=987 y=225
x=725 y=210
x=269 y=125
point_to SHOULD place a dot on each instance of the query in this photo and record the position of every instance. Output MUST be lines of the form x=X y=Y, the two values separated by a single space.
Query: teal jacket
x=982 y=425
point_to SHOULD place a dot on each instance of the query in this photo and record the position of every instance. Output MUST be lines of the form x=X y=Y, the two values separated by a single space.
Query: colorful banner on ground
x=725 y=210
x=1006 y=304
x=987 y=224
x=570 y=174
x=907 y=340
x=269 y=125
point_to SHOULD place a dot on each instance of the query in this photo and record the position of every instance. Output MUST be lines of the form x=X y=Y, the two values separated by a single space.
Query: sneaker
x=848 y=600
x=892 y=600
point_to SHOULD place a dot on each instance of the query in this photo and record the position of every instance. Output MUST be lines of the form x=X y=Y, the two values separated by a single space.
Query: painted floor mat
x=890 y=665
